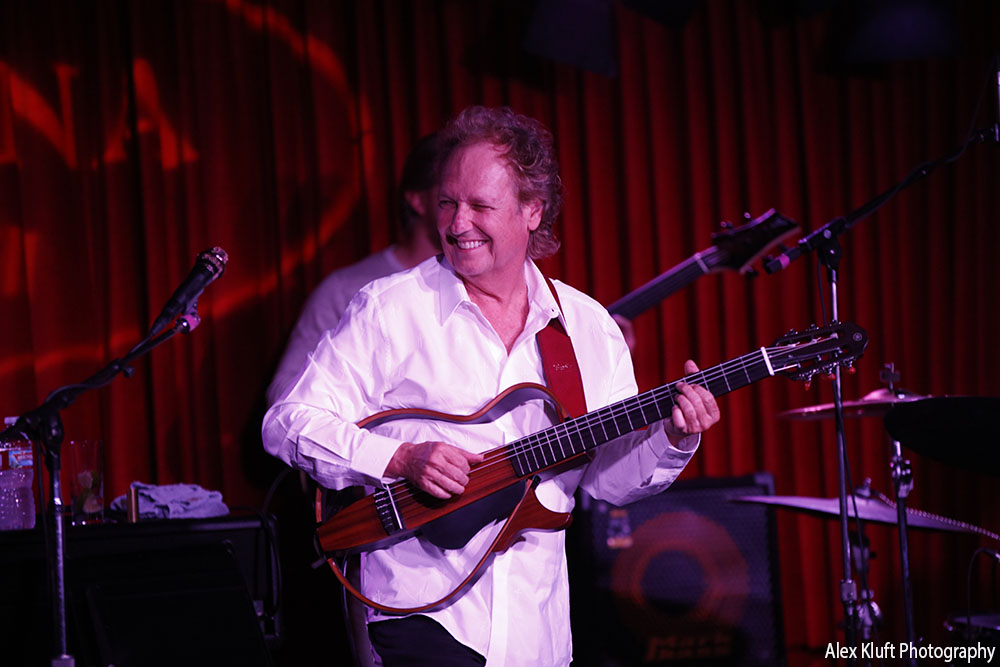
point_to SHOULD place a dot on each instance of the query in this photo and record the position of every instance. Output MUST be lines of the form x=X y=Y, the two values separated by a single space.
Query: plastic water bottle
x=17 y=500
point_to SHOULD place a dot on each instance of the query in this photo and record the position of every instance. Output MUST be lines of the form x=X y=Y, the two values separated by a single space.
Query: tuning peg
x=725 y=224
x=831 y=376
x=746 y=215
x=851 y=370
x=808 y=385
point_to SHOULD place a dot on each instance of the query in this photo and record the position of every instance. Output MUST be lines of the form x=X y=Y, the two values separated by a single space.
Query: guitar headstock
x=817 y=350
x=737 y=248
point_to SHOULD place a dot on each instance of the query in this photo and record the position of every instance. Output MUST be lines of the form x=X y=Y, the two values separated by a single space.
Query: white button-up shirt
x=416 y=340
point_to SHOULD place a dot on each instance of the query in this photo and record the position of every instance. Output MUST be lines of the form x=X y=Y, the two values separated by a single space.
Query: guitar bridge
x=388 y=513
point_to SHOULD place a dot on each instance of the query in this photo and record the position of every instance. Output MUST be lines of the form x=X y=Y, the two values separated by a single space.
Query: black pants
x=417 y=641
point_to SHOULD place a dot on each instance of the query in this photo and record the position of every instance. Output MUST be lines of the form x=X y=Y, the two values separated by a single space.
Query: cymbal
x=873 y=404
x=870 y=509
x=959 y=430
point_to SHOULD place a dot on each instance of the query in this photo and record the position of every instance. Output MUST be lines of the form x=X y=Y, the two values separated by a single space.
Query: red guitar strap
x=562 y=373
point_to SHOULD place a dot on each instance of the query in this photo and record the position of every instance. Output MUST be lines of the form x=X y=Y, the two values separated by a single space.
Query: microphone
x=208 y=266
x=817 y=240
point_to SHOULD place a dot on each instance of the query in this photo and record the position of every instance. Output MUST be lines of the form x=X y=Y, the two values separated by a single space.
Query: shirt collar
x=452 y=292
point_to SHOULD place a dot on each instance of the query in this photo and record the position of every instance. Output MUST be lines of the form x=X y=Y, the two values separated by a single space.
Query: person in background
x=449 y=335
x=418 y=241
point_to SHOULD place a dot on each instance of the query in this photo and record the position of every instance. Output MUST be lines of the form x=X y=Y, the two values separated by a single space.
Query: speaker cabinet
x=686 y=577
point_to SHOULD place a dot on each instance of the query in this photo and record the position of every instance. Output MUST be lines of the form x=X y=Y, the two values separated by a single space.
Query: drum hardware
x=928 y=425
x=869 y=613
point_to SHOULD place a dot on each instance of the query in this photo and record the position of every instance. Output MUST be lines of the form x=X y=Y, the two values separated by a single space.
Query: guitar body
x=495 y=486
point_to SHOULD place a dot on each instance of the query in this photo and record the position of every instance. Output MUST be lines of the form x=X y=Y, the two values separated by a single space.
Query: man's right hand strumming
x=438 y=468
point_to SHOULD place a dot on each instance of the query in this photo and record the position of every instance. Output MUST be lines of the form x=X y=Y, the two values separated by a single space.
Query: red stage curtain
x=134 y=135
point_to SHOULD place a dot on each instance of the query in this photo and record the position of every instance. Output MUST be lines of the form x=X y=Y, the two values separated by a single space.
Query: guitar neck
x=643 y=298
x=559 y=443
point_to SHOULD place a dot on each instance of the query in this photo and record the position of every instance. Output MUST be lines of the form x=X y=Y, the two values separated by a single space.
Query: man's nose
x=461 y=219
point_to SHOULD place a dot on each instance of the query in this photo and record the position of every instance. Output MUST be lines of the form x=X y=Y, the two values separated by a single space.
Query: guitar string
x=403 y=492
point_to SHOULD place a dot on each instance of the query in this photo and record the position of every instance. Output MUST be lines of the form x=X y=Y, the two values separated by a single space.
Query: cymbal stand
x=902 y=482
x=869 y=613
x=829 y=254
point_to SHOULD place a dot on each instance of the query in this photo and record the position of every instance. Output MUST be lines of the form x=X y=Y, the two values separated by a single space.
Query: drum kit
x=930 y=426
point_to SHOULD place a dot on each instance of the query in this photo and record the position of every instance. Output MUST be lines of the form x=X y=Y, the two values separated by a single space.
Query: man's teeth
x=469 y=245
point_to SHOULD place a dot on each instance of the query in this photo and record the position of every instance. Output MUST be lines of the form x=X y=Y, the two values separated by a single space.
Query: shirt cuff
x=374 y=455
x=663 y=447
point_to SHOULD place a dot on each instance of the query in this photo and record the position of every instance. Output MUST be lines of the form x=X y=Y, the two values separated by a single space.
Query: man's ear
x=415 y=201
x=533 y=210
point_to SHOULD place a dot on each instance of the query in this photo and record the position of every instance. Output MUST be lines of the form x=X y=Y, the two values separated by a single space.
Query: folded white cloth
x=175 y=501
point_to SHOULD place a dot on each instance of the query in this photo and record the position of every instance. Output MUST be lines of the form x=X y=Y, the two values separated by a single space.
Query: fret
x=541 y=453
x=725 y=378
x=519 y=457
x=574 y=436
x=723 y=384
x=581 y=435
x=562 y=448
x=555 y=441
x=619 y=420
x=742 y=361
x=650 y=411
x=601 y=417
x=533 y=451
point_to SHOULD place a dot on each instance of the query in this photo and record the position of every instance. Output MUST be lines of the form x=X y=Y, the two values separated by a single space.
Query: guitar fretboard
x=558 y=443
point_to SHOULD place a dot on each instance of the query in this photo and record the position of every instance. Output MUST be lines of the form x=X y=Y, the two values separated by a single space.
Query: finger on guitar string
x=706 y=408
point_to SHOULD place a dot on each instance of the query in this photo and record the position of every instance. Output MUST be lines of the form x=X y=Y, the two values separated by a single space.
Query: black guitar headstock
x=737 y=248
x=817 y=350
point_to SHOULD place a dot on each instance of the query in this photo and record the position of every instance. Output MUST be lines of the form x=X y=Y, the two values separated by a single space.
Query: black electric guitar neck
x=733 y=249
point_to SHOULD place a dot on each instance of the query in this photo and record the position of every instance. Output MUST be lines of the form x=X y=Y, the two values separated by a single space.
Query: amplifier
x=684 y=577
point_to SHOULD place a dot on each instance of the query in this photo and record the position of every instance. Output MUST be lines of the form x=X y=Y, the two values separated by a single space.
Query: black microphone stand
x=829 y=253
x=44 y=425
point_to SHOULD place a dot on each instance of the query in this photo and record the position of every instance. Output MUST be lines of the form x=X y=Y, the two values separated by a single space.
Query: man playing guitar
x=448 y=336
